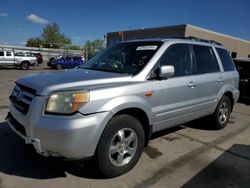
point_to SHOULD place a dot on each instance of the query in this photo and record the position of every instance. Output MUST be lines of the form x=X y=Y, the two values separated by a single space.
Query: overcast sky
x=83 y=20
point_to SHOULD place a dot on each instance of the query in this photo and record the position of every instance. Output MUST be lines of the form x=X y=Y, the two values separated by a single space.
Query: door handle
x=191 y=85
x=220 y=81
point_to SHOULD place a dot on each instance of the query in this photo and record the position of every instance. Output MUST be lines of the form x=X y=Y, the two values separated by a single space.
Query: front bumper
x=72 y=137
x=17 y=128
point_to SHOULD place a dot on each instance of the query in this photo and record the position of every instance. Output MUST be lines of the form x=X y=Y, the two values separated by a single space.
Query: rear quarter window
x=225 y=60
x=206 y=61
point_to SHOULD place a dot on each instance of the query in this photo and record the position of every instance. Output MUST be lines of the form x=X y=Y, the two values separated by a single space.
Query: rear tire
x=120 y=146
x=24 y=65
x=222 y=112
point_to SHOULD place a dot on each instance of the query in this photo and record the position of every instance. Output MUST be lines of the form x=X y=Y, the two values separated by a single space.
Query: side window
x=1 y=53
x=225 y=60
x=206 y=61
x=68 y=58
x=8 y=53
x=179 y=56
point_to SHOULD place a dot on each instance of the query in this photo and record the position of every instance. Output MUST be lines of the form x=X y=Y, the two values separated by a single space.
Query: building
x=238 y=48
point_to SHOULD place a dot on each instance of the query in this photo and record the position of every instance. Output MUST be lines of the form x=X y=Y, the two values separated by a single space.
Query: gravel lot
x=191 y=155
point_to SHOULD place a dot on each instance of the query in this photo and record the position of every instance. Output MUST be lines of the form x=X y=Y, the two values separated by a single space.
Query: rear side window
x=179 y=56
x=8 y=53
x=206 y=61
x=225 y=60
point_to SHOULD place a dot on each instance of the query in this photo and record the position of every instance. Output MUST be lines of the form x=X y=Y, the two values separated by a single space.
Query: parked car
x=52 y=59
x=109 y=107
x=24 y=54
x=56 y=57
x=243 y=67
x=67 y=62
x=39 y=57
x=8 y=58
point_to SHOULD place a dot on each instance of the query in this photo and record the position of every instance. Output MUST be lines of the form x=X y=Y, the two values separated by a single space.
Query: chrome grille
x=22 y=97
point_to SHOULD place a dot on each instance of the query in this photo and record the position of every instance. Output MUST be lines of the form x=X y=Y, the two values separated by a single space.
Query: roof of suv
x=191 y=39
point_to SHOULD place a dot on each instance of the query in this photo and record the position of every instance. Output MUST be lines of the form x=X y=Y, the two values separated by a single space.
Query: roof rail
x=203 y=40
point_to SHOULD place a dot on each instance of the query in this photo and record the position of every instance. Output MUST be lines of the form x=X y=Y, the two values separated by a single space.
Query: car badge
x=19 y=93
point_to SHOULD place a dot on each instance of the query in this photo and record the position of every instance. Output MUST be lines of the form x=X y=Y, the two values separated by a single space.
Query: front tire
x=221 y=115
x=120 y=146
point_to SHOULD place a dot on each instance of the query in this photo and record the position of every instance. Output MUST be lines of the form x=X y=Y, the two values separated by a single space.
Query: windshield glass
x=126 y=58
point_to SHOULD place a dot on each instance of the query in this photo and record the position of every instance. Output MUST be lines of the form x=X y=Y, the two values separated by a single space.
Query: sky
x=83 y=20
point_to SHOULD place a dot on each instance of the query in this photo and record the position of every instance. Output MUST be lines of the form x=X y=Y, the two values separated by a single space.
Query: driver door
x=175 y=97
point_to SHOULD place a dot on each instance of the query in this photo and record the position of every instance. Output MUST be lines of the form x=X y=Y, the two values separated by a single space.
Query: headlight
x=67 y=102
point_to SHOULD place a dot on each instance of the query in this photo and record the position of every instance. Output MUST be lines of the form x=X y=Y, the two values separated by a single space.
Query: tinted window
x=206 y=61
x=179 y=56
x=225 y=60
x=19 y=54
x=8 y=53
x=1 y=53
x=77 y=58
x=69 y=58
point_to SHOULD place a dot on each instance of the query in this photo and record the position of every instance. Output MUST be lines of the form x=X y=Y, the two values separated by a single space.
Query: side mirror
x=166 y=71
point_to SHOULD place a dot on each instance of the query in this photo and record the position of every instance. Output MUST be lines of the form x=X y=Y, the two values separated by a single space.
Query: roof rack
x=203 y=40
x=180 y=37
x=196 y=39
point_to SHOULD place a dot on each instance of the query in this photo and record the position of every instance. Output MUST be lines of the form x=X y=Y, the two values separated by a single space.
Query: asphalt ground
x=191 y=155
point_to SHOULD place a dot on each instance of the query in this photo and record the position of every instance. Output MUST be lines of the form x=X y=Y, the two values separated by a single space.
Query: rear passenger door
x=230 y=76
x=175 y=97
x=210 y=77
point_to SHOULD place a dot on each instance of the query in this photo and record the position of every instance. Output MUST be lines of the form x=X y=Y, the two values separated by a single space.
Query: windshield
x=126 y=58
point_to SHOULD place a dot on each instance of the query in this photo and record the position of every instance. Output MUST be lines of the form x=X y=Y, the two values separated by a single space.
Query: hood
x=45 y=83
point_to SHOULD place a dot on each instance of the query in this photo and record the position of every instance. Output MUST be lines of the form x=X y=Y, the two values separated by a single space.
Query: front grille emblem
x=19 y=93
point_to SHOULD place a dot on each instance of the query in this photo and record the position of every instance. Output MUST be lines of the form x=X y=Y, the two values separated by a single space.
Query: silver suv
x=109 y=107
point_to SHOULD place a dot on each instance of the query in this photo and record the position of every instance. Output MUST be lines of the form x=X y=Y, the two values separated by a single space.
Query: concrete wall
x=47 y=53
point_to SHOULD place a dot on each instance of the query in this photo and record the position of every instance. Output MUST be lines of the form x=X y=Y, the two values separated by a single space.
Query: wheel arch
x=228 y=91
x=141 y=116
x=25 y=61
x=229 y=94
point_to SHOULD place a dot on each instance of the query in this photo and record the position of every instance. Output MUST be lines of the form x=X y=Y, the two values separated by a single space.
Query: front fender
x=117 y=104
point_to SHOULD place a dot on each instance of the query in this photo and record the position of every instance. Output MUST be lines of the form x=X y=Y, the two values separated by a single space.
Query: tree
x=53 y=38
x=50 y=38
x=94 y=47
x=34 y=42
x=75 y=47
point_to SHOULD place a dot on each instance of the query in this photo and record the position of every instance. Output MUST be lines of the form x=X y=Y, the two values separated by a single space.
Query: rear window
x=225 y=60
x=205 y=60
